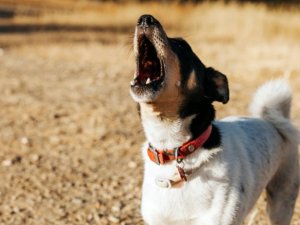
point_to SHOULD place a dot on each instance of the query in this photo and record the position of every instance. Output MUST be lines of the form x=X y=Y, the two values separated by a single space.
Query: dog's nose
x=146 y=21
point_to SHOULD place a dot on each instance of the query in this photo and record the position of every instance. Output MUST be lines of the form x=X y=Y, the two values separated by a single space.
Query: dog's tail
x=272 y=102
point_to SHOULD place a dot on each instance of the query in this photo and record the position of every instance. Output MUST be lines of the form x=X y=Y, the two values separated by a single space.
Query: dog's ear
x=216 y=85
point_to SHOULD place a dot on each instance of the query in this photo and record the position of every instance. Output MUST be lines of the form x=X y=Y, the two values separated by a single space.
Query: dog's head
x=169 y=72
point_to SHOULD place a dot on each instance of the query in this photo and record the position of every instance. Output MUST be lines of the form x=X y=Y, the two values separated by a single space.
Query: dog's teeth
x=132 y=82
x=148 y=81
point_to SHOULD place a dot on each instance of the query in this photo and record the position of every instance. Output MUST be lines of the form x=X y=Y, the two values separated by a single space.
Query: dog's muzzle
x=149 y=44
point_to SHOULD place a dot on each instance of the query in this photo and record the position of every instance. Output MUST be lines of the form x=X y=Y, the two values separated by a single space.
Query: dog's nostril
x=146 y=20
x=149 y=20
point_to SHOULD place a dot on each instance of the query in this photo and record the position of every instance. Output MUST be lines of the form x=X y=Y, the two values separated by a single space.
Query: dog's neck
x=171 y=131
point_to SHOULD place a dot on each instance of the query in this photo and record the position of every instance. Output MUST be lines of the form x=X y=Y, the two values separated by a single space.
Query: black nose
x=146 y=21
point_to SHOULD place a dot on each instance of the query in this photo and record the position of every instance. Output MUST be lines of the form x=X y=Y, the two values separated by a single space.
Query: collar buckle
x=154 y=153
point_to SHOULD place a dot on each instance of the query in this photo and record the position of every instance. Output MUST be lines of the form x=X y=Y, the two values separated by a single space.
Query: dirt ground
x=70 y=135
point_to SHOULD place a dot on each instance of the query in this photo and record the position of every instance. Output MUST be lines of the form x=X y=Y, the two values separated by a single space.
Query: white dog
x=204 y=172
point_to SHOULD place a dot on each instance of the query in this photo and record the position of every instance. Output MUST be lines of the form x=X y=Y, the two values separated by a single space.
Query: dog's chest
x=177 y=203
x=195 y=200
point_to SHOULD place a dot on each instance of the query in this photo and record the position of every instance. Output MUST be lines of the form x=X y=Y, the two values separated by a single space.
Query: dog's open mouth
x=150 y=68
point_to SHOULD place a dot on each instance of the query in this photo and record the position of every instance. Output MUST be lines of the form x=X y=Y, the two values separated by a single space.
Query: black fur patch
x=196 y=102
x=214 y=141
x=205 y=114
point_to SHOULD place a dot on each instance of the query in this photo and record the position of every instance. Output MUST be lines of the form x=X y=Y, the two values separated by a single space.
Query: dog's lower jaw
x=146 y=97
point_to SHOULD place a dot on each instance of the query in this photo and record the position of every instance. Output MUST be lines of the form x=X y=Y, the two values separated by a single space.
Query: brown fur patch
x=192 y=82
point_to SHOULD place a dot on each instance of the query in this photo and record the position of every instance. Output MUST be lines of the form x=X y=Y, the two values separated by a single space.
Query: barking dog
x=199 y=171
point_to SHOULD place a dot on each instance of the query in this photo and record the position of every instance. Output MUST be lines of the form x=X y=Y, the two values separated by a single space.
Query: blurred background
x=70 y=134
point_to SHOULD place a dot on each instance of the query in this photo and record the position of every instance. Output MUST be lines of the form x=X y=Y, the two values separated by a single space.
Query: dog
x=199 y=171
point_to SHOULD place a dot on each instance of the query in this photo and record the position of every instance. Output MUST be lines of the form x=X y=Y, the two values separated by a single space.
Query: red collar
x=167 y=155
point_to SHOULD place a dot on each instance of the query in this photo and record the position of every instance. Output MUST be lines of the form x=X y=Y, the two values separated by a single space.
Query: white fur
x=165 y=133
x=255 y=153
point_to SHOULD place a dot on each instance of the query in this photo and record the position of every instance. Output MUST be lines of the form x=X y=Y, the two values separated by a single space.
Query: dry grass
x=70 y=134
